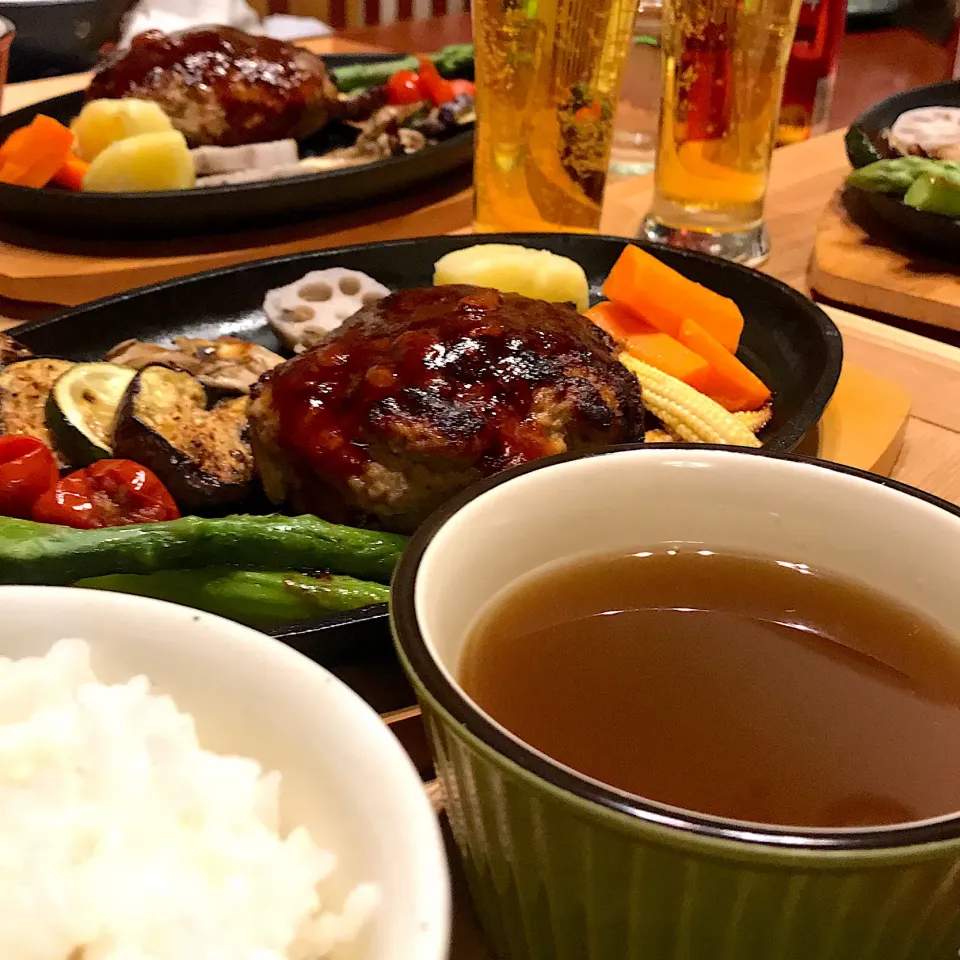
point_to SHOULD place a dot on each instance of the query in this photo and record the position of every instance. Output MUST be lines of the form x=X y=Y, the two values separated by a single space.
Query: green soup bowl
x=562 y=867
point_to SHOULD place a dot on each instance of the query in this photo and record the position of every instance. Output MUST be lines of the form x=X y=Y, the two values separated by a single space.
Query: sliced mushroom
x=226 y=363
x=254 y=157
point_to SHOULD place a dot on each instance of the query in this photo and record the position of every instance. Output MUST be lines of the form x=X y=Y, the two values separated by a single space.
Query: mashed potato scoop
x=511 y=268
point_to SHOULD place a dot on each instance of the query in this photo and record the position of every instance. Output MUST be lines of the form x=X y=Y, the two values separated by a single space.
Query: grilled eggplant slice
x=24 y=390
x=82 y=409
x=202 y=455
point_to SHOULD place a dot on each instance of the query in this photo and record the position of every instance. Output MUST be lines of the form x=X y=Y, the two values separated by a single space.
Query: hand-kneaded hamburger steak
x=420 y=394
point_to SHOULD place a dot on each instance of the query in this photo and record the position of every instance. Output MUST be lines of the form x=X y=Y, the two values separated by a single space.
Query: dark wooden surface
x=874 y=63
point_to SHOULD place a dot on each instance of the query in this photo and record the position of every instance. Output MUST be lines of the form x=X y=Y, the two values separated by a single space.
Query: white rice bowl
x=155 y=849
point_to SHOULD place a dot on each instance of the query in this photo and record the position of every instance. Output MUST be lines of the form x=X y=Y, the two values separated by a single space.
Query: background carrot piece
x=660 y=350
x=665 y=298
x=728 y=382
x=71 y=174
x=31 y=156
x=13 y=143
x=12 y=173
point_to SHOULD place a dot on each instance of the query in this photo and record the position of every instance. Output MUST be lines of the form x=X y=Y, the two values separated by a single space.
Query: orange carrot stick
x=665 y=298
x=728 y=381
x=650 y=345
x=660 y=350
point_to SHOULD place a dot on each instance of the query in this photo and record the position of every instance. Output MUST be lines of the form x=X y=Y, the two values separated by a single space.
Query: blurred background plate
x=60 y=36
x=884 y=215
x=211 y=210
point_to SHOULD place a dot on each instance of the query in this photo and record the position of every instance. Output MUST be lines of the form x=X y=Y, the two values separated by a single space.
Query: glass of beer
x=548 y=78
x=724 y=64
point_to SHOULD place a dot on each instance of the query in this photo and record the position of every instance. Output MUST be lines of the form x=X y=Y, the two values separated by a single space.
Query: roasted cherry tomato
x=109 y=493
x=27 y=469
x=460 y=87
x=404 y=87
x=436 y=88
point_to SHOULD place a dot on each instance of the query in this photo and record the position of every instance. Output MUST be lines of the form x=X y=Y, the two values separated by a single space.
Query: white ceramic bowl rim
x=451 y=698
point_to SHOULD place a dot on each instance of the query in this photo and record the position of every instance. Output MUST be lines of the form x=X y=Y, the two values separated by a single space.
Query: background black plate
x=146 y=216
x=889 y=217
x=787 y=340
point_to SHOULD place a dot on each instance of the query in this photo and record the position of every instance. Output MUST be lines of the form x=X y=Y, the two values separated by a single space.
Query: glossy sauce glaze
x=487 y=378
x=264 y=86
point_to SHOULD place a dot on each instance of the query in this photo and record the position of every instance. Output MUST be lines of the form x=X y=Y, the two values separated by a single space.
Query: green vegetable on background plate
x=862 y=148
x=38 y=553
x=898 y=175
x=455 y=60
x=257 y=598
x=935 y=194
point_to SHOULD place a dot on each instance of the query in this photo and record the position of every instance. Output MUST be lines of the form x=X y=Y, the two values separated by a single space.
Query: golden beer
x=724 y=64
x=548 y=76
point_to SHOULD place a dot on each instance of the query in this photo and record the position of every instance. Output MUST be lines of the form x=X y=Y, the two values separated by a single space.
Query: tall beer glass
x=724 y=64
x=548 y=78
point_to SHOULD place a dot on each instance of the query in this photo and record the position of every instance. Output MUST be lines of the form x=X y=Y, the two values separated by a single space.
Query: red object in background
x=459 y=87
x=708 y=97
x=437 y=89
x=109 y=493
x=404 y=87
x=812 y=70
x=27 y=470
x=954 y=45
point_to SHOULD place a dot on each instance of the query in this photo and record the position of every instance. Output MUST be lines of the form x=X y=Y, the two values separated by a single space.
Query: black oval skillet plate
x=148 y=216
x=888 y=217
x=787 y=340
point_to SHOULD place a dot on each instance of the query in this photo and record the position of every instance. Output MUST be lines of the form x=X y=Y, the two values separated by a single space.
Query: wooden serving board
x=851 y=267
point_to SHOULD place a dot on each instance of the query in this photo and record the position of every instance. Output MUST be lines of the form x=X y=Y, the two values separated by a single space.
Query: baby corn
x=684 y=411
x=755 y=420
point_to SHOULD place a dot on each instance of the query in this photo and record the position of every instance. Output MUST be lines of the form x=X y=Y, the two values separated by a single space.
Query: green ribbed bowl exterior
x=555 y=877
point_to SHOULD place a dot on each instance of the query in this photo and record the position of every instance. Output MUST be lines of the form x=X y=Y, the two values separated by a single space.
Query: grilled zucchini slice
x=202 y=455
x=82 y=408
x=25 y=387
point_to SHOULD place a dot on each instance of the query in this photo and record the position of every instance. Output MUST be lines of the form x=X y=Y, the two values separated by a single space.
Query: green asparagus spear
x=935 y=194
x=897 y=176
x=455 y=60
x=42 y=553
x=256 y=598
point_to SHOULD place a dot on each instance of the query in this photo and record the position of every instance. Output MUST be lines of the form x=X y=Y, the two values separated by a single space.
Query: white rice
x=122 y=839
